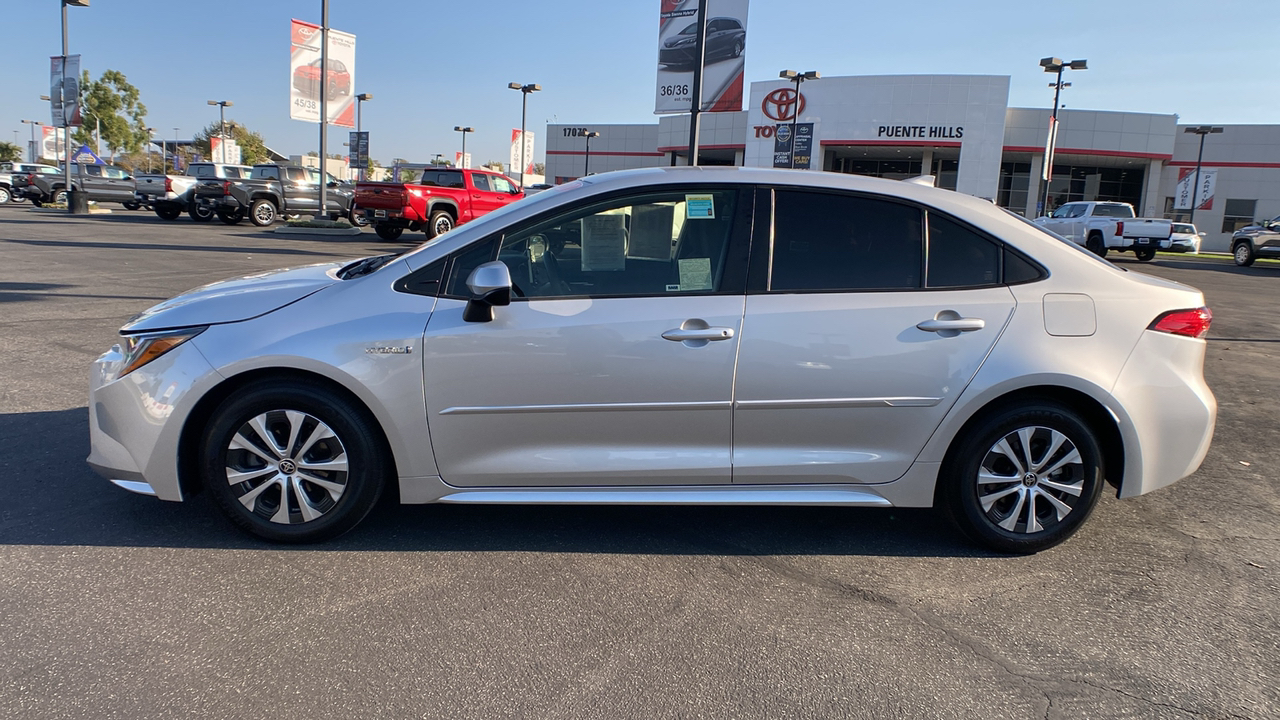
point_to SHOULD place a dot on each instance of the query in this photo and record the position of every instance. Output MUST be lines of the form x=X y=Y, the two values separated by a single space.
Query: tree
x=252 y=149
x=10 y=152
x=408 y=175
x=112 y=104
x=539 y=168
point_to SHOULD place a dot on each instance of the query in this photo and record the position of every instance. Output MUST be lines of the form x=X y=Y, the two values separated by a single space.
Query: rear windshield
x=443 y=178
x=1117 y=211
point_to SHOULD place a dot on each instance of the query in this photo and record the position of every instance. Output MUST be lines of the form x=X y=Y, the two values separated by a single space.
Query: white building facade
x=960 y=129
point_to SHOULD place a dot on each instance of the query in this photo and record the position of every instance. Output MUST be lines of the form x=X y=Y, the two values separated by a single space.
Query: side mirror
x=333 y=184
x=490 y=286
x=1203 y=234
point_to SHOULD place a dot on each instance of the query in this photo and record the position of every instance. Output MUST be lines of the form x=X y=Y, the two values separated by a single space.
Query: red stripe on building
x=1039 y=150
x=1207 y=164
x=894 y=143
x=685 y=148
x=604 y=152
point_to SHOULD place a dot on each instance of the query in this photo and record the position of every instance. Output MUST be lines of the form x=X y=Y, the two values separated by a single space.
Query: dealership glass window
x=945 y=173
x=891 y=169
x=960 y=257
x=655 y=245
x=1074 y=183
x=481 y=181
x=1237 y=214
x=1015 y=184
x=842 y=242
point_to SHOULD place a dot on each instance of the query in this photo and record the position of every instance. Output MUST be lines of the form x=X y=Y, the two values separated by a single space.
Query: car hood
x=234 y=300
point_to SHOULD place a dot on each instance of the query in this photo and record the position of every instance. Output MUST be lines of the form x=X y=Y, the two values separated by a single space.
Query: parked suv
x=101 y=183
x=1261 y=239
x=12 y=172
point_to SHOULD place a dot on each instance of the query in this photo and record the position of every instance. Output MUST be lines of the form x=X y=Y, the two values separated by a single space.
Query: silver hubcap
x=287 y=466
x=1242 y=253
x=4 y=196
x=265 y=213
x=1030 y=480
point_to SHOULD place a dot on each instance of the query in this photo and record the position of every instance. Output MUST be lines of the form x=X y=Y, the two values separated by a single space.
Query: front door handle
x=696 y=333
x=948 y=323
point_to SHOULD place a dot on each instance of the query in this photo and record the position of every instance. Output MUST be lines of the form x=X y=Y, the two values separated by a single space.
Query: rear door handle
x=711 y=333
x=948 y=323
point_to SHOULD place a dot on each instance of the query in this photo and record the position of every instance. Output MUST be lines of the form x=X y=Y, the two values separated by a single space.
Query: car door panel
x=838 y=388
x=580 y=391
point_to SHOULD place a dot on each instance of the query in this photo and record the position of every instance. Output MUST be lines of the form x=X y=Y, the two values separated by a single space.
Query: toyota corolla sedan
x=674 y=336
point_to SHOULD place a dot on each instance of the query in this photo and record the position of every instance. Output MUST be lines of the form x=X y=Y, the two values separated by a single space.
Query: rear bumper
x=1171 y=411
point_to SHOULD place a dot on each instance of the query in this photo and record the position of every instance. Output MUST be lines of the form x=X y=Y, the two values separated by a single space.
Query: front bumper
x=135 y=422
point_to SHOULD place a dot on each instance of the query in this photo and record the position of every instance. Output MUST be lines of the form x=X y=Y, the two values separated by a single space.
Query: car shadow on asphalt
x=53 y=498
x=237 y=249
x=1210 y=265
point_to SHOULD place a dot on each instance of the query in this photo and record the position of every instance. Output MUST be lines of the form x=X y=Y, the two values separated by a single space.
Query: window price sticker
x=699 y=207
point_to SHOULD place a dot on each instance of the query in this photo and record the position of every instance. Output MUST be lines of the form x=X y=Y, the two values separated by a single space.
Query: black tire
x=737 y=49
x=441 y=223
x=1096 y=245
x=229 y=217
x=1145 y=254
x=276 y=477
x=262 y=212
x=5 y=195
x=131 y=205
x=36 y=203
x=388 y=232
x=1243 y=254
x=974 y=461
x=168 y=212
x=199 y=213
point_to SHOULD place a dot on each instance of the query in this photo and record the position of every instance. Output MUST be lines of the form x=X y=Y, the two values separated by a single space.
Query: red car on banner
x=306 y=80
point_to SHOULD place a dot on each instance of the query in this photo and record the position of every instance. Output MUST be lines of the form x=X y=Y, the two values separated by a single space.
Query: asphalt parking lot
x=115 y=605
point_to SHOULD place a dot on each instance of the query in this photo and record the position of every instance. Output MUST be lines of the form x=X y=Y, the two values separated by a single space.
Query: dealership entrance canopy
x=960 y=129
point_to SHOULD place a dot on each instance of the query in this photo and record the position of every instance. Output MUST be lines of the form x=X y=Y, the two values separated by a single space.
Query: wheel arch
x=447 y=205
x=198 y=419
x=1092 y=411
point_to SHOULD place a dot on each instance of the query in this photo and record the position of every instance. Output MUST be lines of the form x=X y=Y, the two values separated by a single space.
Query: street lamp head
x=514 y=86
x=1078 y=64
x=1202 y=130
x=459 y=128
x=44 y=97
x=364 y=97
x=531 y=87
x=788 y=74
x=1051 y=64
x=223 y=103
x=76 y=3
x=593 y=134
x=812 y=75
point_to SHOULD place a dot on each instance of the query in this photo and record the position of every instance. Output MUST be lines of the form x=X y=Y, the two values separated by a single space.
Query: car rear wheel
x=737 y=49
x=168 y=212
x=262 y=212
x=59 y=197
x=388 y=232
x=131 y=205
x=1023 y=479
x=5 y=195
x=293 y=461
x=199 y=213
x=357 y=217
x=1096 y=245
x=441 y=223
x=1145 y=254
x=229 y=217
x=1242 y=253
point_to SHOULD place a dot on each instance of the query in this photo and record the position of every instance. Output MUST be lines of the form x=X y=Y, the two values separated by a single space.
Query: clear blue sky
x=433 y=65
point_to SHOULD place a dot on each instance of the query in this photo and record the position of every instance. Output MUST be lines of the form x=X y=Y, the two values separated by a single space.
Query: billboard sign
x=793 y=152
x=306 y=82
x=723 y=62
x=64 y=90
x=358 y=156
x=52 y=143
x=528 y=151
x=1204 y=198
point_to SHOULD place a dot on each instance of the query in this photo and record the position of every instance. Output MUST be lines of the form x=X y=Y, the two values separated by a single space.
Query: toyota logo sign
x=780 y=105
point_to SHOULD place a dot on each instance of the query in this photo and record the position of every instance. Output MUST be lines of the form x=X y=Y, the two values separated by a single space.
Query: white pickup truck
x=170 y=195
x=1103 y=226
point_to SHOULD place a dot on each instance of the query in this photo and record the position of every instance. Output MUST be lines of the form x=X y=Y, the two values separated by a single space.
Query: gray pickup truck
x=12 y=173
x=171 y=195
x=271 y=191
x=100 y=183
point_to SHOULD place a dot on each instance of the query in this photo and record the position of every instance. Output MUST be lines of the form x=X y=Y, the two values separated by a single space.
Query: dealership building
x=960 y=129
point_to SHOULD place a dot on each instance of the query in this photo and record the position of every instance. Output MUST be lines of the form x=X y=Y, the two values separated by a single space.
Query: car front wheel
x=293 y=461
x=1242 y=253
x=5 y=195
x=1024 y=479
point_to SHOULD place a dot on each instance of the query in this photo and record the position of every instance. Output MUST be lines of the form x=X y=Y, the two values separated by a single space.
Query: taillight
x=168 y=184
x=1188 y=323
x=31 y=179
x=226 y=187
x=1120 y=227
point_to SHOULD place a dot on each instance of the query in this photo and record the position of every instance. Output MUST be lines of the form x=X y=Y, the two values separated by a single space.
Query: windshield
x=1183 y=228
x=692 y=29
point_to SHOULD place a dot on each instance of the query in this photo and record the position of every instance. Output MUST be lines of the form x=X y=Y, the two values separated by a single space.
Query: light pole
x=360 y=100
x=524 y=107
x=1054 y=65
x=150 y=132
x=464 y=131
x=1201 y=130
x=66 y=142
x=797 y=78
x=175 y=150
x=33 y=124
x=222 y=126
x=586 y=168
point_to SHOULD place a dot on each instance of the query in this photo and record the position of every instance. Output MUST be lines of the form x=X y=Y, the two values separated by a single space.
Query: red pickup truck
x=443 y=198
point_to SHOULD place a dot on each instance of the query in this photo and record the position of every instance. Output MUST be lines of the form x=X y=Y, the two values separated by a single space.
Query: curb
x=63 y=211
x=286 y=230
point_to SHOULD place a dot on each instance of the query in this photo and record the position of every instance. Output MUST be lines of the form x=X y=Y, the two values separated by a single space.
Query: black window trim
x=733 y=280
x=761 y=273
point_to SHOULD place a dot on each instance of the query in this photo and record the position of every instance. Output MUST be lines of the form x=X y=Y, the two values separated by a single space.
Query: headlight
x=143 y=348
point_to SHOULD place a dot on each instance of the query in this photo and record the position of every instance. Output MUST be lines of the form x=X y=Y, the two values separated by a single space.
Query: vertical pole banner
x=528 y=151
x=52 y=143
x=1204 y=198
x=306 y=82
x=462 y=161
x=64 y=91
x=725 y=61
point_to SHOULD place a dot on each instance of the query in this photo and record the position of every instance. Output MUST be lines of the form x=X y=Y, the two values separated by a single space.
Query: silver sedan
x=674 y=336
